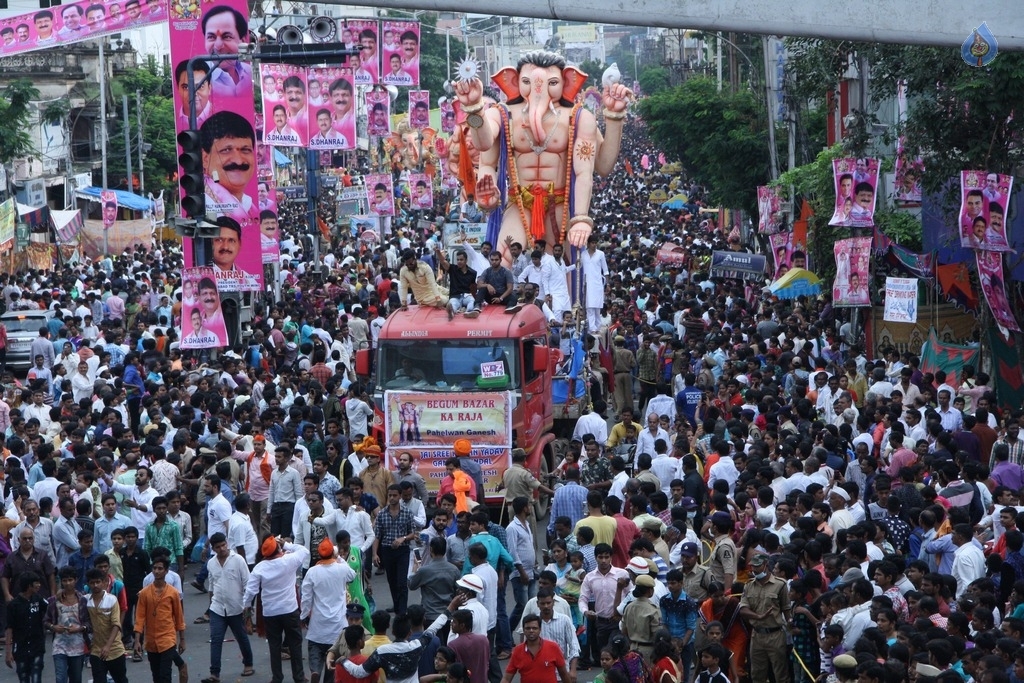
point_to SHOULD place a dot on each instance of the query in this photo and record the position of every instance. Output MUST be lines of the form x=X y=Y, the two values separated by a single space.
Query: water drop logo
x=981 y=47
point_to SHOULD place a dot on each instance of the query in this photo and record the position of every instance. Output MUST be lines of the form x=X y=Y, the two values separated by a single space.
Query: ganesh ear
x=508 y=81
x=574 y=80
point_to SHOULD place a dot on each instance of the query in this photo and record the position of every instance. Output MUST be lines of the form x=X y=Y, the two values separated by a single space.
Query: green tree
x=15 y=119
x=158 y=120
x=654 y=79
x=720 y=137
x=593 y=68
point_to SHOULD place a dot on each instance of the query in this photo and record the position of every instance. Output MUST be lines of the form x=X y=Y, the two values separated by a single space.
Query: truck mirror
x=363 y=362
x=540 y=359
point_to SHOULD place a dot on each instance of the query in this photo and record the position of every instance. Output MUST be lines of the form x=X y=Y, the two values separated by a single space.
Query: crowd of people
x=748 y=496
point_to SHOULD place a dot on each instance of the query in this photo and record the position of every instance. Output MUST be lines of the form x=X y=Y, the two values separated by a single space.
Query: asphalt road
x=197 y=653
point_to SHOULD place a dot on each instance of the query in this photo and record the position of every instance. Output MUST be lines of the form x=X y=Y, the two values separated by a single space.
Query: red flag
x=629 y=167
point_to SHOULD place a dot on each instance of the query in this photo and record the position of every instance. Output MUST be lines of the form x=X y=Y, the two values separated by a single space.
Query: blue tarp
x=281 y=159
x=560 y=387
x=127 y=200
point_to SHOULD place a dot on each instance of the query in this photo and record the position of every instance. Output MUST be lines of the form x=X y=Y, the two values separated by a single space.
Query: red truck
x=439 y=379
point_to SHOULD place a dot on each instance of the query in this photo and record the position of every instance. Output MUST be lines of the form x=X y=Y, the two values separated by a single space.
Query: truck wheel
x=542 y=504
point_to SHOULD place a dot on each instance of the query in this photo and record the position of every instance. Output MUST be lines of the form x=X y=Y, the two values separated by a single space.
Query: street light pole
x=138 y=112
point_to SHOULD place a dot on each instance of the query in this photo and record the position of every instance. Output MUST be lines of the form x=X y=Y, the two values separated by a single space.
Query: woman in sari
x=354 y=558
x=666 y=659
x=725 y=609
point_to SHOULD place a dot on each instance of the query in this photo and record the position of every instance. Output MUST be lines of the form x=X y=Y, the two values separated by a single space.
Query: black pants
x=396 y=565
x=599 y=631
x=285 y=627
x=281 y=519
x=117 y=669
x=160 y=664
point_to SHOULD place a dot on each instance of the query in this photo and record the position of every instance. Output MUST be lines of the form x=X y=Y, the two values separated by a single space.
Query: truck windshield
x=447 y=364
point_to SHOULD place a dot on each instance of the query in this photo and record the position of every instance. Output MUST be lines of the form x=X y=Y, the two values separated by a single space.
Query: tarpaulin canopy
x=795 y=283
x=67 y=224
x=280 y=158
x=737 y=264
x=126 y=200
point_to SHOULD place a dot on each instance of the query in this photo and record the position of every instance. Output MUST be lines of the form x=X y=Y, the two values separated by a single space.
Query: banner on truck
x=427 y=424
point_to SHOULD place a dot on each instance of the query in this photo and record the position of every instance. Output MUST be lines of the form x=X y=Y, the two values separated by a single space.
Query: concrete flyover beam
x=921 y=22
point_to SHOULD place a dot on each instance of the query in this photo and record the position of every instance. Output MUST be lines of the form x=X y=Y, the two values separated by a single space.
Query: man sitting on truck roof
x=419 y=277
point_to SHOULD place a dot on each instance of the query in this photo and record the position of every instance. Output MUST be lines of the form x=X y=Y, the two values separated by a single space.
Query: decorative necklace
x=537 y=149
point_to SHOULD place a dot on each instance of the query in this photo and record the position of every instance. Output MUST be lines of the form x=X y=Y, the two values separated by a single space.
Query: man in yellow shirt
x=618 y=431
x=419 y=277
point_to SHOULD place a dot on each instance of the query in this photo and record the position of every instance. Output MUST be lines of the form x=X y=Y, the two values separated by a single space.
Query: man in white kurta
x=595 y=270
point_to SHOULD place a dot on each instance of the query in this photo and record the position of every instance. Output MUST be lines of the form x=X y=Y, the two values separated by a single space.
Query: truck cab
x=420 y=350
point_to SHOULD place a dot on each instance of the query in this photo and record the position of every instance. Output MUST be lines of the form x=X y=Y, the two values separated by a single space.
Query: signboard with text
x=428 y=424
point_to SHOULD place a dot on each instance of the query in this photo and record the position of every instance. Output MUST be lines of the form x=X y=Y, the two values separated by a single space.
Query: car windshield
x=23 y=324
x=449 y=364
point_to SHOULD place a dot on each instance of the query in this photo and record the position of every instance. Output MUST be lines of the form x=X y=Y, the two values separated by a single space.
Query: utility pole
x=103 y=113
x=142 y=173
x=127 y=142
x=718 y=49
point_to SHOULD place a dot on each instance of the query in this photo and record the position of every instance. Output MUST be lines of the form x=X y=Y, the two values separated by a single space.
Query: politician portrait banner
x=70 y=23
x=365 y=34
x=983 y=200
x=285 y=113
x=900 y=300
x=769 y=210
x=422 y=191
x=326 y=131
x=227 y=132
x=782 y=251
x=990 y=273
x=400 y=53
x=855 y=182
x=378 y=113
x=447 y=117
x=851 y=286
x=380 y=193
x=202 y=320
x=419 y=109
x=108 y=200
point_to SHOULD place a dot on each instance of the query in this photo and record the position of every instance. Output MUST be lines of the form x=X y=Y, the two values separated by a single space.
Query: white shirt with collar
x=645 y=440
x=274 y=579
x=227 y=584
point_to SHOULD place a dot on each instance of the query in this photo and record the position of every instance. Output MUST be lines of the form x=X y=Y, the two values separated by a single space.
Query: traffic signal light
x=193 y=200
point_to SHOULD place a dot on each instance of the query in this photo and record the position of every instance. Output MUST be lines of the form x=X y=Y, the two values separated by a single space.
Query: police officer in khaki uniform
x=623 y=362
x=641 y=619
x=723 y=558
x=765 y=607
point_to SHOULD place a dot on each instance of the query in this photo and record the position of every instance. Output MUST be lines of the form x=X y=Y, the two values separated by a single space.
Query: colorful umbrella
x=795 y=283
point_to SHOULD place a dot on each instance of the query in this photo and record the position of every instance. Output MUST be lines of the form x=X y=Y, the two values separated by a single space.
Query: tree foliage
x=161 y=161
x=958 y=117
x=14 y=119
x=721 y=138
x=434 y=47
x=654 y=79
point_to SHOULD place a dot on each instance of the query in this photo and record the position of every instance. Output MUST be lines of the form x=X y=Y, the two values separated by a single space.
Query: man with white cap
x=841 y=518
x=472 y=586
x=635 y=568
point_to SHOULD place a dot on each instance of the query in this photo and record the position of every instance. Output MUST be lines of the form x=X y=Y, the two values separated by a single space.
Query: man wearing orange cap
x=376 y=479
x=274 y=580
x=323 y=613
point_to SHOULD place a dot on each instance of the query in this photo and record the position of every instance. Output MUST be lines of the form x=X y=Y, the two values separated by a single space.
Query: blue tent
x=127 y=200
x=281 y=159
x=560 y=387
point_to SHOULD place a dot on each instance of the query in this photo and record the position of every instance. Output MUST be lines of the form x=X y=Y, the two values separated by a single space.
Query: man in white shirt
x=322 y=612
x=139 y=498
x=646 y=438
x=591 y=423
x=241 y=536
x=351 y=519
x=274 y=580
x=229 y=575
x=968 y=559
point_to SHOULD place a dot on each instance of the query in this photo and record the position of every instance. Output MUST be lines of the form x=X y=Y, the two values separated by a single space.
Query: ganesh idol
x=540 y=150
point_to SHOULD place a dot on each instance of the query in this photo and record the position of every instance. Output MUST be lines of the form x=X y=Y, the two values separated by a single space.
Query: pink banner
x=108 y=201
x=853 y=259
x=855 y=181
x=70 y=23
x=333 y=123
x=447 y=117
x=419 y=109
x=286 y=119
x=266 y=197
x=378 y=110
x=380 y=193
x=990 y=273
x=228 y=137
x=782 y=250
x=202 y=320
x=366 y=65
x=769 y=210
x=422 y=191
x=400 y=50
x=983 y=200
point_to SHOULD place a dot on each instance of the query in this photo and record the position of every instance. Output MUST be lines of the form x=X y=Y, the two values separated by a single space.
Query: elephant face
x=539 y=87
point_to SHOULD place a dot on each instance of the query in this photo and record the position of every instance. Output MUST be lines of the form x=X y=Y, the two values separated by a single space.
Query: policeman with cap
x=641 y=618
x=765 y=606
